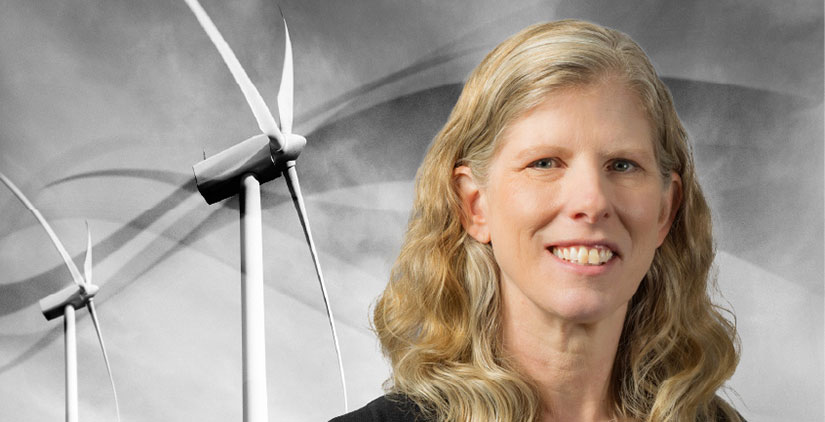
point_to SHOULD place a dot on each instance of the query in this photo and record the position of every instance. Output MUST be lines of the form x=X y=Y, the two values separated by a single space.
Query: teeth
x=583 y=255
x=582 y=258
x=593 y=256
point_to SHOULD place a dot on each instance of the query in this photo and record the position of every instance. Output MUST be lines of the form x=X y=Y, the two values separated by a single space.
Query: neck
x=570 y=363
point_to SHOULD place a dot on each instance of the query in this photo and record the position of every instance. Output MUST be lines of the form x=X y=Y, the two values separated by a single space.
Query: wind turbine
x=240 y=170
x=66 y=301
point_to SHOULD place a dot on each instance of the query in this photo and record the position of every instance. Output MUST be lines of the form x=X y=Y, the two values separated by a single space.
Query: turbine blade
x=291 y=177
x=78 y=279
x=262 y=114
x=87 y=265
x=286 y=91
x=91 y=306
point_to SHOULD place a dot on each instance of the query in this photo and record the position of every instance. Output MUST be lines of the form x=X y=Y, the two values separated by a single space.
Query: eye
x=544 y=163
x=623 y=166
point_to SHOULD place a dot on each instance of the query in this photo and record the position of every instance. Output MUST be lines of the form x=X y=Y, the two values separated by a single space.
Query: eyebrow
x=631 y=151
x=564 y=151
x=542 y=150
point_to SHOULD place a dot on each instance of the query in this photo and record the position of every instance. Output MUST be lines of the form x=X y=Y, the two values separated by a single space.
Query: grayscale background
x=106 y=105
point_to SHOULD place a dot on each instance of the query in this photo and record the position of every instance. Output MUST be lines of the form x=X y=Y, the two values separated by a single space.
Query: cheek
x=520 y=209
x=641 y=213
x=517 y=211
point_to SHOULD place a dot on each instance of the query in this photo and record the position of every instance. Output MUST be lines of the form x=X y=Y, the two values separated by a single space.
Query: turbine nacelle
x=54 y=305
x=219 y=177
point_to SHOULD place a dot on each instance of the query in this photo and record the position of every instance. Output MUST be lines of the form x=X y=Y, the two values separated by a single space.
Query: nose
x=587 y=198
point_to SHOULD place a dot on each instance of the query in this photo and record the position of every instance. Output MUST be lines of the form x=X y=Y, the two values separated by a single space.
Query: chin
x=586 y=311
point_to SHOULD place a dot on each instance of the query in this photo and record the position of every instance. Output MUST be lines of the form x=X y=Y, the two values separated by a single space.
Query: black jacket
x=393 y=408
x=396 y=408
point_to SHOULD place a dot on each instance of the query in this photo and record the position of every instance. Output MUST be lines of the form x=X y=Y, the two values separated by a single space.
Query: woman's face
x=574 y=204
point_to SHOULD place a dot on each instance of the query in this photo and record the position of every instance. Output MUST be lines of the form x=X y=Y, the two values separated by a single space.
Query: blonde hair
x=438 y=319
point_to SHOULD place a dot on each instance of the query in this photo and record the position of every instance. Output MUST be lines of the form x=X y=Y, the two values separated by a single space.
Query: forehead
x=607 y=114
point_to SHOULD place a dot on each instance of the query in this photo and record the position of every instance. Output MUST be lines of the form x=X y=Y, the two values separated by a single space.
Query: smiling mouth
x=583 y=255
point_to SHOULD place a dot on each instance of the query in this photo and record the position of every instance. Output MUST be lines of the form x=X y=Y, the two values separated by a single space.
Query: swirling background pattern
x=106 y=105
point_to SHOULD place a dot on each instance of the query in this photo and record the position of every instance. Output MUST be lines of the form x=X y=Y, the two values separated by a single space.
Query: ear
x=473 y=206
x=670 y=206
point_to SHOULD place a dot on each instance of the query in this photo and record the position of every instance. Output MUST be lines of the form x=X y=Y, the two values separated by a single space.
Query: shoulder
x=388 y=408
x=725 y=412
x=722 y=418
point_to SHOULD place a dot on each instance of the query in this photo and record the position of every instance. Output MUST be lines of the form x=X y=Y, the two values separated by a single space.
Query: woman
x=556 y=263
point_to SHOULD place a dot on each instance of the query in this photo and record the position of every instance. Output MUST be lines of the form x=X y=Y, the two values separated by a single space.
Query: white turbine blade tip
x=286 y=92
x=96 y=323
x=291 y=176
x=78 y=279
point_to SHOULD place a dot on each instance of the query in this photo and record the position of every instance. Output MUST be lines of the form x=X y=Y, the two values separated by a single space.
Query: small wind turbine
x=240 y=170
x=66 y=301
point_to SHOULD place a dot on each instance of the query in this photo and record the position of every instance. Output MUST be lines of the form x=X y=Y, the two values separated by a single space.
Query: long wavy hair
x=438 y=319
